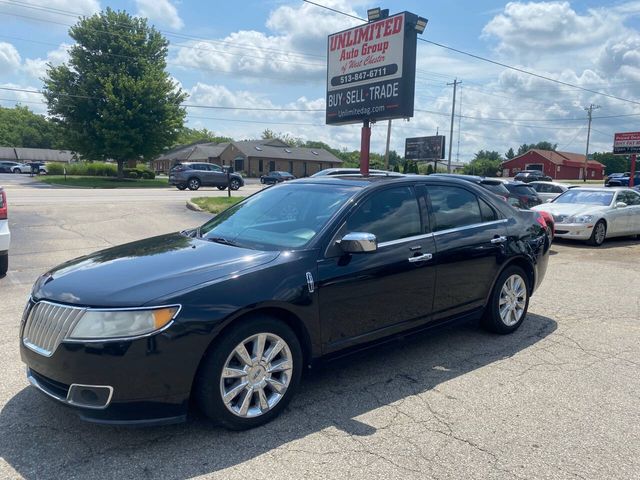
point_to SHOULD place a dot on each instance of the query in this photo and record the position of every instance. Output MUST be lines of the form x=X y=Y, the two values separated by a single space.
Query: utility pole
x=453 y=112
x=386 y=152
x=589 y=110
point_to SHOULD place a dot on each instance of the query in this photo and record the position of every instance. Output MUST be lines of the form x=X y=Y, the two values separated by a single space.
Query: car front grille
x=47 y=325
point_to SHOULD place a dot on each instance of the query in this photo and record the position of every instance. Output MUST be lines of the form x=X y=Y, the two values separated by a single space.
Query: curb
x=192 y=206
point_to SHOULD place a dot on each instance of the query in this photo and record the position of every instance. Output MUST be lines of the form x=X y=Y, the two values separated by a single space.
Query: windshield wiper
x=223 y=241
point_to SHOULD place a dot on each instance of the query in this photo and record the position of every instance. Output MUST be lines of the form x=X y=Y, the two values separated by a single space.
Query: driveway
x=557 y=399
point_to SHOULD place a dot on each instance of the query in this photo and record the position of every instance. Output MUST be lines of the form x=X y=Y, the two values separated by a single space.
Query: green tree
x=187 y=136
x=114 y=98
x=485 y=167
x=20 y=127
x=510 y=154
x=524 y=148
x=490 y=155
x=429 y=169
x=613 y=163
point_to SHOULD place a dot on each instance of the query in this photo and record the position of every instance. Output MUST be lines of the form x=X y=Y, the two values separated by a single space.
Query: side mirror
x=358 y=242
x=620 y=205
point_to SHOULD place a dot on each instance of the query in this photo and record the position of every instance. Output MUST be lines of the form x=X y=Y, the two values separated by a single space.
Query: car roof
x=602 y=189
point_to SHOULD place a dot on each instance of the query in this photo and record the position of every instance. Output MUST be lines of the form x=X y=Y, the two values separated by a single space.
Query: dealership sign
x=424 y=148
x=626 y=143
x=371 y=71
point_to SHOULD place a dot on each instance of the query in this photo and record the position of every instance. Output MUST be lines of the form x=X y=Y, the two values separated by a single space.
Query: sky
x=271 y=54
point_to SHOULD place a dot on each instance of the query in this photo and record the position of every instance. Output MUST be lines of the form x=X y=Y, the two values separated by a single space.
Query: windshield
x=585 y=197
x=524 y=190
x=282 y=217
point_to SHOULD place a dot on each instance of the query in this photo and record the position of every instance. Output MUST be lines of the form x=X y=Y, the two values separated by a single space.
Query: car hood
x=570 y=209
x=137 y=273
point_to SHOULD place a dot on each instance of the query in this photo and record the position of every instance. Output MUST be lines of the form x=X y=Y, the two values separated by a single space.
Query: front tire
x=509 y=302
x=250 y=374
x=16 y=170
x=235 y=184
x=193 y=184
x=598 y=234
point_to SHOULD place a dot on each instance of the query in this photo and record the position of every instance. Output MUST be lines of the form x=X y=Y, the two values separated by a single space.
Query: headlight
x=101 y=324
x=581 y=219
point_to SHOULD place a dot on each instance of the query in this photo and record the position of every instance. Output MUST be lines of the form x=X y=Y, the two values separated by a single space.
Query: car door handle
x=500 y=239
x=421 y=258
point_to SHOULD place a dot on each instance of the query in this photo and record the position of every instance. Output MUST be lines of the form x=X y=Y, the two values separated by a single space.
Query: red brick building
x=558 y=165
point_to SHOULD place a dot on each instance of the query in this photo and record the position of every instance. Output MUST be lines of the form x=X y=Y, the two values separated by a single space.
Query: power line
x=494 y=62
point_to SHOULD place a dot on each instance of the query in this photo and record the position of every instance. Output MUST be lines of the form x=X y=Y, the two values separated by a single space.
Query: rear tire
x=193 y=184
x=181 y=187
x=251 y=386
x=4 y=265
x=508 y=303
x=598 y=234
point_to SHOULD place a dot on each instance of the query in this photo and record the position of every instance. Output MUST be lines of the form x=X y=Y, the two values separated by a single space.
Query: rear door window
x=453 y=207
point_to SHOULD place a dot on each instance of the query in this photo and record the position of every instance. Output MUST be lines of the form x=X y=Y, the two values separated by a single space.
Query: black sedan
x=522 y=195
x=229 y=314
x=532 y=176
x=276 y=177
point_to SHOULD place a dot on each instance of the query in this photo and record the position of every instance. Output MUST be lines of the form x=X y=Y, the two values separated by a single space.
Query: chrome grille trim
x=48 y=324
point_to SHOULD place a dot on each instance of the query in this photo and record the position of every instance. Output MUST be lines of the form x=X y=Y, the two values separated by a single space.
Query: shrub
x=55 y=168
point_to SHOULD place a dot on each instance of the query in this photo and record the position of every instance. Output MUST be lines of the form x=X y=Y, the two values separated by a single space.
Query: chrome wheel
x=513 y=300
x=599 y=233
x=256 y=375
x=235 y=184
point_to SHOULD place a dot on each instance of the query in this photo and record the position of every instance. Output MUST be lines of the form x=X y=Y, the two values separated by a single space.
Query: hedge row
x=99 y=169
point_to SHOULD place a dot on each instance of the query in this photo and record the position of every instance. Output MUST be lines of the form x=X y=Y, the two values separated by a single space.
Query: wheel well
x=528 y=269
x=193 y=178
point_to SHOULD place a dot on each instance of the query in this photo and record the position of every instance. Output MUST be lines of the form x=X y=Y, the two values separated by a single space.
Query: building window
x=290 y=166
x=260 y=166
x=239 y=165
x=272 y=166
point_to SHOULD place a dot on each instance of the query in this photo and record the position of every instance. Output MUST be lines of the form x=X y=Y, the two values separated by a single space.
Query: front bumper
x=576 y=231
x=139 y=381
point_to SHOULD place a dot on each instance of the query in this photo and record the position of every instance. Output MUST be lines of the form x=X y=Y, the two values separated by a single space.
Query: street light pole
x=589 y=110
x=453 y=112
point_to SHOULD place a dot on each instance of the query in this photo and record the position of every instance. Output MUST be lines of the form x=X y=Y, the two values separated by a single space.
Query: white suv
x=5 y=235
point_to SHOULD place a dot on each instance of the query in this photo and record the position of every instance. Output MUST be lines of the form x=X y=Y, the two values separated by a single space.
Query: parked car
x=354 y=171
x=623 y=181
x=5 y=234
x=276 y=177
x=229 y=314
x=14 y=167
x=521 y=194
x=594 y=214
x=531 y=176
x=193 y=175
x=614 y=175
x=494 y=185
x=548 y=190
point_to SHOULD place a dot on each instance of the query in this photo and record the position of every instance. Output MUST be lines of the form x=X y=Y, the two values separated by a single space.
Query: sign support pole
x=365 y=143
x=633 y=170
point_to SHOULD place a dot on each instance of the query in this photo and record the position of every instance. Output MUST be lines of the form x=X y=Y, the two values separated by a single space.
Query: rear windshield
x=495 y=187
x=585 y=197
x=524 y=189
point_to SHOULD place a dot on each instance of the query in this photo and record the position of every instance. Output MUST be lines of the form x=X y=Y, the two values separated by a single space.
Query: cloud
x=9 y=58
x=37 y=67
x=293 y=50
x=11 y=97
x=162 y=12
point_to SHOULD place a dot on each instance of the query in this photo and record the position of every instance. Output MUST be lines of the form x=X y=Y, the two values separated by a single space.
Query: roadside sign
x=371 y=71
x=424 y=148
x=626 y=143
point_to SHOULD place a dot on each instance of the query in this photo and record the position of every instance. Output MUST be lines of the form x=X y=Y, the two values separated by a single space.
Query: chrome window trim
x=80 y=385
x=468 y=227
x=441 y=232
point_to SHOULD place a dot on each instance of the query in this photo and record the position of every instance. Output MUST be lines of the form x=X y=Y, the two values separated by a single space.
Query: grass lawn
x=103 y=182
x=215 y=204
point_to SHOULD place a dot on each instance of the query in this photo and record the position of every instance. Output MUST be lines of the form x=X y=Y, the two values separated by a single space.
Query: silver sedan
x=548 y=190
x=593 y=214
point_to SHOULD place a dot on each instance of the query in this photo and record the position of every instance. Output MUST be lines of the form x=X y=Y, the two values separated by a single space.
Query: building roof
x=8 y=153
x=43 y=155
x=560 y=158
x=278 y=149
x=195 y=152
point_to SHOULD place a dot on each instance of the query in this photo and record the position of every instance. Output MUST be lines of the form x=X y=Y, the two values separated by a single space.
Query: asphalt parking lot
x=560 y=398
